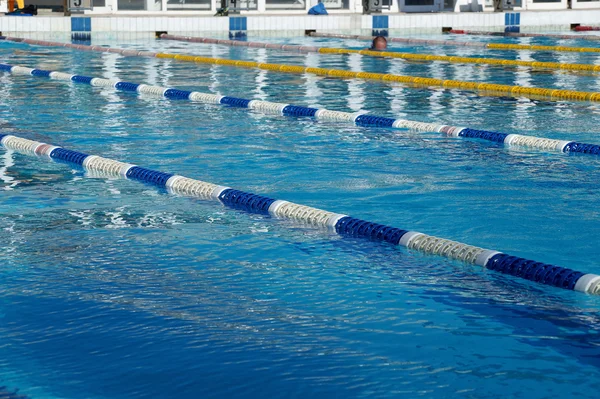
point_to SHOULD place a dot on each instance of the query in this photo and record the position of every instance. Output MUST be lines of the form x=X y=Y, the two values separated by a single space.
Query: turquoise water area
x=114 y=289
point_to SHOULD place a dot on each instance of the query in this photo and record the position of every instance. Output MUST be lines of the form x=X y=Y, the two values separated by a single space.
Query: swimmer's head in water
x=379 y=43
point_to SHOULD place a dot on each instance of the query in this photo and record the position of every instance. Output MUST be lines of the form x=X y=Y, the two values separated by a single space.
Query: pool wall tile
x=512 y=21
x=81 y=24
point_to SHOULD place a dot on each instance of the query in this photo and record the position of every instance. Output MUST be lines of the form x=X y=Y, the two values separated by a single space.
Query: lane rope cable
x=582 y=28
x=390 y=54
x=484 y=89
x=273 y=108
x=490 y=46
x=342 y=224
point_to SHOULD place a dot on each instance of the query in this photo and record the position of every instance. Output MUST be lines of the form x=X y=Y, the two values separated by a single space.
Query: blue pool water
x=113 y=289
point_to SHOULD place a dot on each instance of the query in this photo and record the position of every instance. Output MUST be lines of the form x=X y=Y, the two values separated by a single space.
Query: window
x=418 y=2
x=188 y=4
x=286 y=4
x=336 y=4
x=242 y=4
x=139 y=5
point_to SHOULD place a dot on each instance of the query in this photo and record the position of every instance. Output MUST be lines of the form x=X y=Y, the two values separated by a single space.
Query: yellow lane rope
x=487 y=89
x=504 y=46
x=465 y=60
x=390 y=54
x=491 y=46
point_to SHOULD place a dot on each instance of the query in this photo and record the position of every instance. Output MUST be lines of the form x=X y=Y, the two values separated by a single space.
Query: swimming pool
x=115 y=289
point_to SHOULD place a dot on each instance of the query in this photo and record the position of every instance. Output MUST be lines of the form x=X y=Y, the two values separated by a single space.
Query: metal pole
x=67 y=12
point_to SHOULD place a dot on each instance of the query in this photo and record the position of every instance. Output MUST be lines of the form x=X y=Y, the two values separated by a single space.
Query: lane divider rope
x=519 y=34
x=484 y=89
x=272 y=108
x=389 y=54
x=489 y=46
x=313 y=217
x=581 y=28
